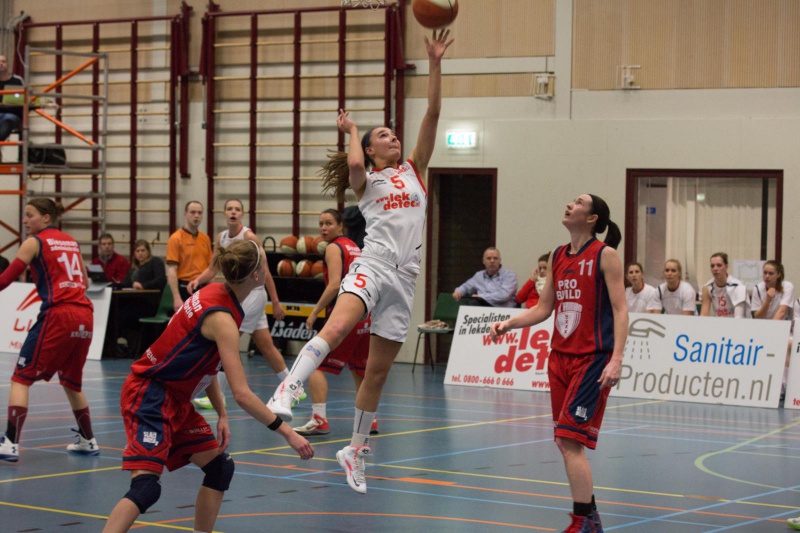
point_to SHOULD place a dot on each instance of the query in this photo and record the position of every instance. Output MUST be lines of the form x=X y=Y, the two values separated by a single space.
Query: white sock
x=362 y=423
x=283 y=374
x=310 y=358
x=359 y=439
x=223 y=382
x=319 y=409
x=785 y=374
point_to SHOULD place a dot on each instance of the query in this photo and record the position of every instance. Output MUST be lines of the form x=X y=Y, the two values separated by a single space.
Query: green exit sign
x=461 y=139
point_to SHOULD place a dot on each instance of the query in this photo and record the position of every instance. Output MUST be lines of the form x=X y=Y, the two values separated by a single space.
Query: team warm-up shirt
x=725 y=299
x=584 y=321
x=58 y=270
x=785 y=297
x=350 y=252
x=182 y=360
x=681 y=299
x=394 y=205
x=644 y=300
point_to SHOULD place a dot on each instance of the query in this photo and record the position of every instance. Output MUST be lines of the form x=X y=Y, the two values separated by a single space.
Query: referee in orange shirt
x=188 y=253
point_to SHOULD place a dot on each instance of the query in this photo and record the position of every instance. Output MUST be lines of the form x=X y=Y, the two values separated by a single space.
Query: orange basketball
x=316 y=269
x=286 y=268
x=435 y=13
x=305 y=245
x=319 y=245
x=288 y=245
x=303 y=268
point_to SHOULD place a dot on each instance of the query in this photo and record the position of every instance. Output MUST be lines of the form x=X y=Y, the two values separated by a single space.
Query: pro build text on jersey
x=584 y=321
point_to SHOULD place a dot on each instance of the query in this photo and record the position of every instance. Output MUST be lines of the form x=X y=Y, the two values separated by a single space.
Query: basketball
x=435 y=13
x=286 y=268
x=320 y=245
x=316 y=269
x=303 y=268
x=288 y=245
x=305 y=245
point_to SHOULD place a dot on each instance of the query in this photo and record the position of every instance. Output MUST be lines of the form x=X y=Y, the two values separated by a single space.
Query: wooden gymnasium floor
x=448 y=459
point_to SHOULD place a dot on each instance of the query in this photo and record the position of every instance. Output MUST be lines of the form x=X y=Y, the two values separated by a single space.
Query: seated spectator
x=723 y=295
x=641 y=297
x=528 y=295
x=10 y=116
x=677 y=297
x=495 y=286
x=147 y=272
x=772 y=298
x=114 y=265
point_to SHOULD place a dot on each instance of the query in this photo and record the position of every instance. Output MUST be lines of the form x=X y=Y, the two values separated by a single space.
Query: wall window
x=690 y=214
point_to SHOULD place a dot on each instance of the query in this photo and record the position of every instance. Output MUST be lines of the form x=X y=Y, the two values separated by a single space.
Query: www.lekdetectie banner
x=518 y=360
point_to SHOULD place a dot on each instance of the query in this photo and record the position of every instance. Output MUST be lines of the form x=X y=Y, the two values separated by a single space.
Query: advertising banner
x=293 y=326
x=21 y=304
x=517 y=361
x=668 y=357
x=704 y=359
x=793 y=379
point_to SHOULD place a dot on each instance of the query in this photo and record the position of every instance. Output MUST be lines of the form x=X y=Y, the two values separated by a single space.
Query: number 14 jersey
x=58 y=270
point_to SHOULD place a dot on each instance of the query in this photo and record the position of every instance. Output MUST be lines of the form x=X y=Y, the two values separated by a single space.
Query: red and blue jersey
x=182 y=360
x=350 y=252
x=584 y=321
x=58 y=270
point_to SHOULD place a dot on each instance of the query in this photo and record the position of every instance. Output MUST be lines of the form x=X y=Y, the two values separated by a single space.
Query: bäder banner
x=668 y=357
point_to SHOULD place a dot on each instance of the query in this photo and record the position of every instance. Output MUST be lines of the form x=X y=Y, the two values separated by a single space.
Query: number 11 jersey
x=584 y=321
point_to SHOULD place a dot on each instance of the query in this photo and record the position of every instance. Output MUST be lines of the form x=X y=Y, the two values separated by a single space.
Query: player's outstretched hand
x=300 y=445
x=344 y=122
x=437 y=46
x=498 y=328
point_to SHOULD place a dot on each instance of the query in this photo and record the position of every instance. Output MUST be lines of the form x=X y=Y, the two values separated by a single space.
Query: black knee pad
x=145 y=491
x=219 y=472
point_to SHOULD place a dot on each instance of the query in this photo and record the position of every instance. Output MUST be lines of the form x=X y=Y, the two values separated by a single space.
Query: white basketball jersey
x=225 y=239
x=394 y=204
x=681 y=299
x=725 y=299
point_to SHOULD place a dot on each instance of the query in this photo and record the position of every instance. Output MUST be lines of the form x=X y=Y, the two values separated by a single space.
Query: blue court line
x=61 y=436
x=781 y=515
x=661 y=437
x=450 y=454
x=450 y=496
x=705 y=508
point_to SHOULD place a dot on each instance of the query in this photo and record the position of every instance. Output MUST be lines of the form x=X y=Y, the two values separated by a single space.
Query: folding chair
x=446 y=310
x=162 y=316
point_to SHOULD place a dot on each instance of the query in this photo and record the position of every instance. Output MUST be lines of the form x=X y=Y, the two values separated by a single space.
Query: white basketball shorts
x=387 y=293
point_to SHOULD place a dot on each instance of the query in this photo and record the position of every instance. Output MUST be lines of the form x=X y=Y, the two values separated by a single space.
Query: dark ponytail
x=604 y=222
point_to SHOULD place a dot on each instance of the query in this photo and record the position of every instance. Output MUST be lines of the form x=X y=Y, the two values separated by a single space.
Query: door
x=462 y=204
